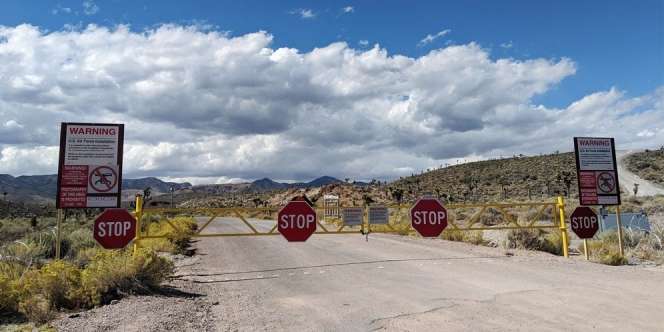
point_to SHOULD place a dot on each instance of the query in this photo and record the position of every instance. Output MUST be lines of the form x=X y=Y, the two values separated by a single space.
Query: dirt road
x=344 y=283
x=628 y=179
x=390 y=283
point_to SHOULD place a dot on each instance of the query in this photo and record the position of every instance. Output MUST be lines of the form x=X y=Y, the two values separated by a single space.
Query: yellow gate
x=261 y=221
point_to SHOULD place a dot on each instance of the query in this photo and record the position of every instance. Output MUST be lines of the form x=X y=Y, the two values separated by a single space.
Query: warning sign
x=352 y=216
x=597 y=171
x=90 y=165
x=379 y=215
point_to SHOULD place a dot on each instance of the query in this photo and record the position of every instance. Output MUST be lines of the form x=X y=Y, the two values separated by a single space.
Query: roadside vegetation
x=35 y=287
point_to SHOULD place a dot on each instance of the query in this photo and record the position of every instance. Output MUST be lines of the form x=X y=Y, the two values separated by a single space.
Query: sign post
x=428 y=217
x=597 y=174
x=296 y=221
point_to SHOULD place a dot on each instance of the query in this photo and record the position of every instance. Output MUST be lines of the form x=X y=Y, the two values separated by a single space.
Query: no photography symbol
x=103 y=179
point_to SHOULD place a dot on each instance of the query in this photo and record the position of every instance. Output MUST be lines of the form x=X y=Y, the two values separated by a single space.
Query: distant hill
x=155 y=184
x=43 y=187
x=266 y=184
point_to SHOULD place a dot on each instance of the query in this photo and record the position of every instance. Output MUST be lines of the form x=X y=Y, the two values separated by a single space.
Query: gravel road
x=628 y=179
x=390 y=283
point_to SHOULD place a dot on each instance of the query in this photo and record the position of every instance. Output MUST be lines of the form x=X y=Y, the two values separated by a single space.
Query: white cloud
x=348 y=9
x=430 y=38
x=506 y=45
x=90 y=7
x=59 y=9
x=208 y=107
x=304 y=13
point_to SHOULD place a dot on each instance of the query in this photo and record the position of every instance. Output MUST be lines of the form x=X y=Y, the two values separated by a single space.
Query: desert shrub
x=112 y=273
x=11 y=230
x=474 y=237
x=79 y=240
x=9 y=298
x=37 y=309
x=38 y=293
x=534 y=239
x=59 y=282
x=176 y=241
x=605 y=249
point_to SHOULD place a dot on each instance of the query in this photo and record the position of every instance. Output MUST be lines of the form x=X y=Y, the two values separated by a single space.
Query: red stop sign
x=296 y=221
x=584 y=222
x=428 y=217
x=114 y=228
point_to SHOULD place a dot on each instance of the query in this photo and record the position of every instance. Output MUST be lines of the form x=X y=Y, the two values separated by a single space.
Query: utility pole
x=171 y=189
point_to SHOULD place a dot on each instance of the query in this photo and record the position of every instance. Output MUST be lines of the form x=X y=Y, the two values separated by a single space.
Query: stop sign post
x=428 y=217
x=585 y=224
x=114 y=228
x=296 y=221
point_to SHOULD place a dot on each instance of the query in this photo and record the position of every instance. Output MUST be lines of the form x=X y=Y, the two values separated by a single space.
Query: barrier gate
x=261 y=221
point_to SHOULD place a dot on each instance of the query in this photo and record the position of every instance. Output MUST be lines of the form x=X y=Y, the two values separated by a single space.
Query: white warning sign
x=596 y=171
x=90 y=165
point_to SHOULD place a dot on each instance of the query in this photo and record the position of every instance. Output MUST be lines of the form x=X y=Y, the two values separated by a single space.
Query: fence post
x=621 y=246
x=139 y=217
x=563 y=226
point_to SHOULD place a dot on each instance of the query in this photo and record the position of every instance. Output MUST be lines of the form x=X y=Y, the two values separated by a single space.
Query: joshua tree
x=636 y=188
x=397 y=194
x=504 y=182
x=471 y=183
x=367 y=200
x=147 y=192
x=4 y=196
x=565 y=178
x=257 y=201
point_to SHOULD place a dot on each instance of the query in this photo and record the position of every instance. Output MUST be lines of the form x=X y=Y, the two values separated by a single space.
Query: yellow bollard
x=139 y=217
x=563 y=226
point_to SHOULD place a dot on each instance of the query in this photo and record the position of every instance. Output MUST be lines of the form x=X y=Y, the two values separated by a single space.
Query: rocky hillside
x=649 y=165
x=519 y=177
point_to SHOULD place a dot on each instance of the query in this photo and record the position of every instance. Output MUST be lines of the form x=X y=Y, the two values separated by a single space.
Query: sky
x=228 y=91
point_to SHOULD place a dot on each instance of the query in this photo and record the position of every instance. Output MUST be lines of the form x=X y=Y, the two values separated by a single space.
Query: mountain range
x=43 y=187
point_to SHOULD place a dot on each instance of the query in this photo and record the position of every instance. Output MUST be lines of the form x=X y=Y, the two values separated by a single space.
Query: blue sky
x=227 y=91
x=614 y=43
